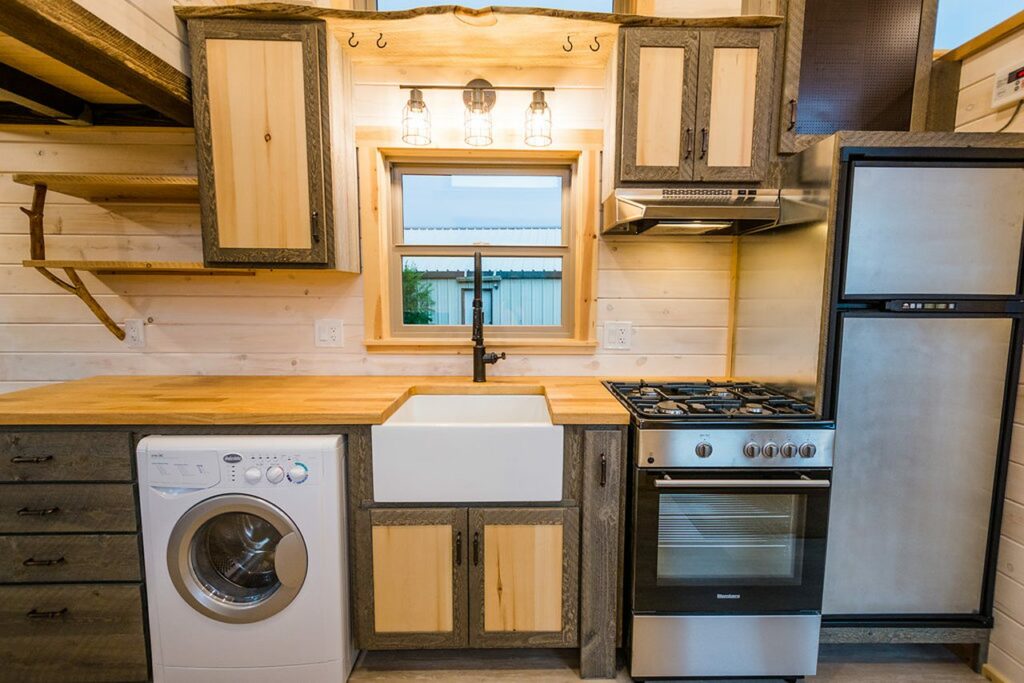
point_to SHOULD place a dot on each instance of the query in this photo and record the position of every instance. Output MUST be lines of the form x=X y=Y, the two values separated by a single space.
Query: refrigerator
x=919 y=363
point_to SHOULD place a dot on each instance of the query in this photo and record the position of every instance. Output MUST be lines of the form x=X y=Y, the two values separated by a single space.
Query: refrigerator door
x=920 y=404
x=916 y=229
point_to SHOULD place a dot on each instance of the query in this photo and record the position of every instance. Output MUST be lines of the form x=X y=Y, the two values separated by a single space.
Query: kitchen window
x=517 y=216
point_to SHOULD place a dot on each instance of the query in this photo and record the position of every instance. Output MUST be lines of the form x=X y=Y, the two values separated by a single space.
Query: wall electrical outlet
x=135 y=333
x=618 y=335
x=330 y=333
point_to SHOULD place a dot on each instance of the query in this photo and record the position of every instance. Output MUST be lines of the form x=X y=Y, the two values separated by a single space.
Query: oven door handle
x=741 y=483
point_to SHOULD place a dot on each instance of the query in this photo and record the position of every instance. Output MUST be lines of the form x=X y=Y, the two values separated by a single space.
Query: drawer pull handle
x=55 y=614
x=31 y=459
x=604 y=470
x=38 y=512
x=33 y=562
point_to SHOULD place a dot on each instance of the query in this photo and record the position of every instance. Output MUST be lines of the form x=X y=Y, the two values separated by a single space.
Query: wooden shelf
x=116 y=187
x=138 y=267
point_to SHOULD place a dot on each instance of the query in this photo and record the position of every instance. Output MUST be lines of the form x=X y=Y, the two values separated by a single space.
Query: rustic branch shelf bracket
x=74 y=284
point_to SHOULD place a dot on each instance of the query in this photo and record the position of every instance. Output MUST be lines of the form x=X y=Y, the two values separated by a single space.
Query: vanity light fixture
x=416 y=120
x=538 y=121
x=479 y=98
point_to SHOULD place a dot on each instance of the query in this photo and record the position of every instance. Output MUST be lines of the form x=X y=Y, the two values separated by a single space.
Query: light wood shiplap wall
x=675 y=291
x=974 y=113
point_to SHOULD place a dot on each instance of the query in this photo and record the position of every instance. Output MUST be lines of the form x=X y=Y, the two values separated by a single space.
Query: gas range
x=708 y=401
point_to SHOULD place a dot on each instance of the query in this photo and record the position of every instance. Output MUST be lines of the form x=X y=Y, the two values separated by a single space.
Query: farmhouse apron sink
x=468 y=448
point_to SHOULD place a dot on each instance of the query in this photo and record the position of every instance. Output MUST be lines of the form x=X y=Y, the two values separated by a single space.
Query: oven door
x=725 y=541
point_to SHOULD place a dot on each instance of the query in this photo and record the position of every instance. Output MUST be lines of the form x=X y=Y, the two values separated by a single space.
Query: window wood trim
x=382 y=283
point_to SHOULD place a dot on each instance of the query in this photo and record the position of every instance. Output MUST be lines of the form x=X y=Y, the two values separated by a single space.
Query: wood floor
x=838 y=664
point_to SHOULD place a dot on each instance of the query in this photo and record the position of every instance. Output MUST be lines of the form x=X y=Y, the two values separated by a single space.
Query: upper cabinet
x=695 y=104
x=263 y=141
x=861 y=65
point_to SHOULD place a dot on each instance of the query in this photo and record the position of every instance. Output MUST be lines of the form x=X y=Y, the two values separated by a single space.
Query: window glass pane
x=482 y=209
x=579 y=5
x=438 y=290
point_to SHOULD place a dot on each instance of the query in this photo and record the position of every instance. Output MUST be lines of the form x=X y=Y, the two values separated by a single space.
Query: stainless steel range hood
x=689 y=211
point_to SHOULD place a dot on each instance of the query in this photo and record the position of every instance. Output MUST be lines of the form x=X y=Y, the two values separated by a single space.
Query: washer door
x=236 y=558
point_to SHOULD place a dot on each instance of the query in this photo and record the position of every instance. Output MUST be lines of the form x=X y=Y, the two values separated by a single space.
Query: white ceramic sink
x=468 y=448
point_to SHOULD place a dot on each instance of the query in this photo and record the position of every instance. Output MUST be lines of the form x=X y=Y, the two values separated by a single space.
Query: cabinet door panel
x=733 y=109
x=524 y=577
x=658 y=100
x=418 y=577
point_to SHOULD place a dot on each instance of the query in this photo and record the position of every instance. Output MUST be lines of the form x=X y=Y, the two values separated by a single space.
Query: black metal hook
x=380 y=44
x=352 y=42
x=568 y=39
x=597 y=43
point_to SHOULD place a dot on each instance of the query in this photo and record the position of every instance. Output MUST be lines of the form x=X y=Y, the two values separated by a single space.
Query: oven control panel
x=749 y=448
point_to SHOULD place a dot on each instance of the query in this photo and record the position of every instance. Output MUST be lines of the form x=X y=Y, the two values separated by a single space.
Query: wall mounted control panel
x=1009 y=85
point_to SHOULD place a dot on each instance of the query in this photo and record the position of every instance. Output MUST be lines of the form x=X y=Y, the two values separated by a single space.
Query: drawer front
x=65 y=456
x=71 y=633
x=53 y=558
x=55 y=508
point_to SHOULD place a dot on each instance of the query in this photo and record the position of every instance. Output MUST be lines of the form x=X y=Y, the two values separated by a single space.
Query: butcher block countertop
x=311 y=400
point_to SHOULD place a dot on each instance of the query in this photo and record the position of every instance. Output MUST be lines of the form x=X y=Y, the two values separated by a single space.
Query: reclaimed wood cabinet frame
x=568 y=519
x=794 y=10
x=313 y=39
x=764 y=42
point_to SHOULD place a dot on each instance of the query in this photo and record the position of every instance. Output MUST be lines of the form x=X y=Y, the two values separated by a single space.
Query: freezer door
x=919 y=410
x=934 y=230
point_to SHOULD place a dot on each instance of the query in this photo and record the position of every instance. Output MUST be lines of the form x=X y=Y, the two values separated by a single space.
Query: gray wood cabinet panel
x=82 y=633
x=65 y=456
x=69 y=558
x=60 y=508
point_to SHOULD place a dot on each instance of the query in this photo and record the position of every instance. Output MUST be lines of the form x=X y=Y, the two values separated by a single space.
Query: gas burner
x=670 y=408
x=689 y=401
x=754 y=409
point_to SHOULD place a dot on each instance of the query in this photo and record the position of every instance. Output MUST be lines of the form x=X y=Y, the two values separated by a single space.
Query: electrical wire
x=1012 y=116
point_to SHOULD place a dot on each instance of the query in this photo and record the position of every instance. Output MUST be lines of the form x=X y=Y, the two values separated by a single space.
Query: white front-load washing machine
x=246 y=558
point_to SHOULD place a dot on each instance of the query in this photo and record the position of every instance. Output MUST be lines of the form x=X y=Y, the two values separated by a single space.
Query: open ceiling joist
x=67 y=32
x=42 y=98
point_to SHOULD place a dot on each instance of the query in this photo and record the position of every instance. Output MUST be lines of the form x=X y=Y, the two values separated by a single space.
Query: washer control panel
x=201 y=470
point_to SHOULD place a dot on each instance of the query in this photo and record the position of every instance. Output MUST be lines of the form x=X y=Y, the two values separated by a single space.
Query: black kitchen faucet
x=481 y=359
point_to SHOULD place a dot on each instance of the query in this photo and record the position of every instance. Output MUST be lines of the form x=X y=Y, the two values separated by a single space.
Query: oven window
x=715 y=538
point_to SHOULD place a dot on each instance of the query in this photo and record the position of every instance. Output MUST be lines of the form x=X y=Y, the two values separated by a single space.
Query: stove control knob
x=275 y=473
x=703 y=449
x=253 y=475
x=807 y=450
x=788 y=450
x=770 y=449
x=752 y=450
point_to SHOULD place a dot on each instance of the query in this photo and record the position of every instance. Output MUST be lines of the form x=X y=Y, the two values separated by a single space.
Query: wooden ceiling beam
x=42 y=98
x=69 y=33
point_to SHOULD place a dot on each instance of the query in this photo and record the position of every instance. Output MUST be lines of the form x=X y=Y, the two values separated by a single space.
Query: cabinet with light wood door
x=262 y=140
x=696 y=105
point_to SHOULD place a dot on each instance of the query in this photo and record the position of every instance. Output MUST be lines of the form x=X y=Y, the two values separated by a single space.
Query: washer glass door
x=236 y=558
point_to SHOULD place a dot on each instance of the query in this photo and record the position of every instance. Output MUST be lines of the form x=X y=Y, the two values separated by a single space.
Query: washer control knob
x=752 y=450
x=298 y=473
x=807 y=450
x=275 y=473
x=253 y=475
x=703 y=449
x=770 y=450
x=788 y=450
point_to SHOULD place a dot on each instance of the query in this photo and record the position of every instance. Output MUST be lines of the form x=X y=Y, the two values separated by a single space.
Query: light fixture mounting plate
x=485 y=87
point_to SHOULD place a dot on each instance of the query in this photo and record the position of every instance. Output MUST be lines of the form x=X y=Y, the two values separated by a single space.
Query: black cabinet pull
x=316 y=226
x=31 y=459
x=792 y=115
x=703 y=142
x=38 y=512
x=33 y=562
x=476 y=549
x=688 y=143
x=458 y=548
x=55 y=614
x=604 y=470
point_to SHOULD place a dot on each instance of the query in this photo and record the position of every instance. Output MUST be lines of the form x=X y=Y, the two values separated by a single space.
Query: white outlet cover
x=135 y=333
x=329 y=333
x=618 y=335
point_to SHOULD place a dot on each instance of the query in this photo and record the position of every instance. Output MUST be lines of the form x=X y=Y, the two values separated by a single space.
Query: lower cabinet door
x=523 y=577
x=72 y=632
x=419 y=578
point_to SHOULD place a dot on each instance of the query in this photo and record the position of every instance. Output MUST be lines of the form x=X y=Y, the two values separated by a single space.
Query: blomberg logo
x=728 y=596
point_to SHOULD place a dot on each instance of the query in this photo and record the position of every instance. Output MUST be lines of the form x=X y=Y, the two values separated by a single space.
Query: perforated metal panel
x=857 y=66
